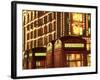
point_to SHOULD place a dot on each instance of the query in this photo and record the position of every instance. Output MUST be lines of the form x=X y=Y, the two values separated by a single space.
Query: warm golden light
x=37 y=63
x=77 y=45
x=25 y=56
x=78 y=63
x=40 y=54
x=30 y=54
x=49 y=47
x=77 y=17
x=58 y=44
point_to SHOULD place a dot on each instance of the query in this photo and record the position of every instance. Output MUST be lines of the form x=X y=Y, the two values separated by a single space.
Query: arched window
x=49 y=47
x=58 y=44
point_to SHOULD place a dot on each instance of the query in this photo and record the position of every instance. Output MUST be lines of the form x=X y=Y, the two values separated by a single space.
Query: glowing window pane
x=78 y=56
x=76 y=45
x=72 y=64
x=40 y=54
x=25 y=56
x=76 y=29
x=78 y=63
x=89 y=59
x=49 y=47
x=37 y=63
x=72 y=57
x=58 y=44
x=30 y=54
x=88 y=46
x=77 y=16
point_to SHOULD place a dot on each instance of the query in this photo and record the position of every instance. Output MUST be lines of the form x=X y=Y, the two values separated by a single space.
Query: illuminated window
x=72 y=64
x=74 y=60
x=49 y=47
x=88 y=46
x=25 y=56
x=58 y=44
x=78 y=24
x=89 y=24
x=74 y=45
x=78 y=63
x=30 y=55
x=77 y=29
x=72 y=57
x=37 y=63
x=77 y=17
x=78 y=56
x=40 y=54
x=89 y=59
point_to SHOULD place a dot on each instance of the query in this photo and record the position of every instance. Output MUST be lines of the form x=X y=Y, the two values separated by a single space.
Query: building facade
x=42 y=27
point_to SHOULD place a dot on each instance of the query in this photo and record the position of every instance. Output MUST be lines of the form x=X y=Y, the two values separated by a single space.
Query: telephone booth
x=40 y=57
x=75 y=51
x=70 y=51
x=50 y=55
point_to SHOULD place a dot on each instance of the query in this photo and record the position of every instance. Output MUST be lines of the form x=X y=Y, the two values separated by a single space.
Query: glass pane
x=78 y=57
x=37 y=63
x=72 y=64
x=72 y=57
x=78 y=63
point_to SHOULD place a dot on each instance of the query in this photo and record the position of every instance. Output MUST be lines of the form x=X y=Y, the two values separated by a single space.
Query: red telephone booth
x=59 y=57
x=31 y=60
x=50 y=55
x=75 y=51
x=40 y=57
x=70 y=51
